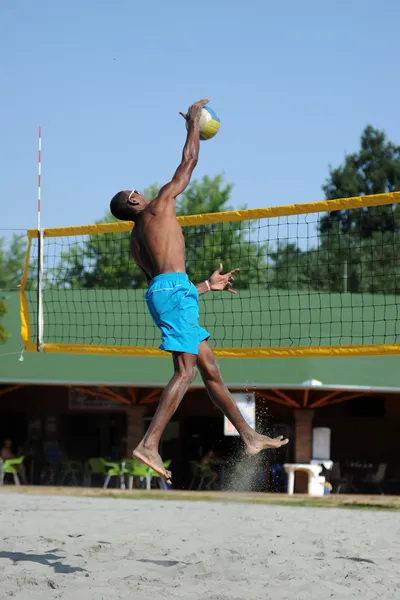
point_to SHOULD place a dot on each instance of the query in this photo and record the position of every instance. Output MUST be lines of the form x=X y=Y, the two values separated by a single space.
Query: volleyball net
x=316 y=279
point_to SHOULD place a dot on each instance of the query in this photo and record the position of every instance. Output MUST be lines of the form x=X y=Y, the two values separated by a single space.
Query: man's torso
x=157 y=243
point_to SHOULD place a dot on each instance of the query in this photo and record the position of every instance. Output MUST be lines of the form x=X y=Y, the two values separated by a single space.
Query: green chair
x=10 y=466
x=94 y=467
x=134 y=468
x=162 y=484
x=114 y=469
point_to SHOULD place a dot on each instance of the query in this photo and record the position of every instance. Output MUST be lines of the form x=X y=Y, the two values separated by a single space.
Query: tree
x=12 y=257
x=97 y=261
x=374 y=169
x=288 y=270
x=3 y=332
x=232 y=243
x=365 y=239
x=358 y=249
x=103 y=261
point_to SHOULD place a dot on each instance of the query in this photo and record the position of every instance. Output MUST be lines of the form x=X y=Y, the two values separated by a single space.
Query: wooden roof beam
x=275 y=399
x=288 y=399
x=151 y=396
x=324 y=400
x=99 y=394
x=9 y=389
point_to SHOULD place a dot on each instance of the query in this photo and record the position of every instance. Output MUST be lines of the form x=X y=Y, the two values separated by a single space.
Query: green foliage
x=205 y=196
x=228 y=243
x=103 y=261
x=12 y=257
x=358 y=250
x=99 y=261
x=366 y=239
x=288 y=270
x=364 y=242
x=374 y=169
x=3 y=332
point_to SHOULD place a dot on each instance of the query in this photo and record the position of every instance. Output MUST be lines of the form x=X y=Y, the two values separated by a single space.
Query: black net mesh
x=305 y=280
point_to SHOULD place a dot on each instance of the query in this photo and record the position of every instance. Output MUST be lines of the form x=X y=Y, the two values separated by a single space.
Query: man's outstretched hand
x=194 y=111
x=220 y=282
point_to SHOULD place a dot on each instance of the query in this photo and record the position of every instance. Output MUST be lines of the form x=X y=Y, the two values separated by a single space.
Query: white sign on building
x=246 y=403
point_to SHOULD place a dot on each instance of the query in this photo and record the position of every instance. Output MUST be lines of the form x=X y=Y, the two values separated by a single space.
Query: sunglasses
x=132 y=192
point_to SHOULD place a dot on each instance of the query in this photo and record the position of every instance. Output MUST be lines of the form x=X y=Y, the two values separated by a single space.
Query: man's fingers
x=220 y=268
x=232 y=291
x=201 y=102
x=232 y=272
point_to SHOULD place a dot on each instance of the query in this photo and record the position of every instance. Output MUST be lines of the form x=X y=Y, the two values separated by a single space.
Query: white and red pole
x=40 y=252
x=39 y=173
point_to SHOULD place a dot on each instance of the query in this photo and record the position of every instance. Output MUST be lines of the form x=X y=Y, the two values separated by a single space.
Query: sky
x=294 y=84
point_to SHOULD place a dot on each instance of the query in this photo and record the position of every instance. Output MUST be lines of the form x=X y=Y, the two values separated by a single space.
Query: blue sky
x=294 y=84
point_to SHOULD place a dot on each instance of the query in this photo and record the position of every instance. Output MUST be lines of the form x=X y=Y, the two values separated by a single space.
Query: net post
x=40 y=250
x=40 y=293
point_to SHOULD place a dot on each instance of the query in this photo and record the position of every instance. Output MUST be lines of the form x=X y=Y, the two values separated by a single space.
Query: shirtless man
x=158 y=248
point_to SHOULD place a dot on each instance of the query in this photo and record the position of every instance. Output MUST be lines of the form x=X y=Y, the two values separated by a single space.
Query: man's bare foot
x=153 y=460
x=259 y=442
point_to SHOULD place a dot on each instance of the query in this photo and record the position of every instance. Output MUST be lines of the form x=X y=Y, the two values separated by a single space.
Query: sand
x=77 y=548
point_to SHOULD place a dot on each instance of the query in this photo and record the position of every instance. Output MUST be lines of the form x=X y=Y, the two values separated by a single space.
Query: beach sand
x=79 y=548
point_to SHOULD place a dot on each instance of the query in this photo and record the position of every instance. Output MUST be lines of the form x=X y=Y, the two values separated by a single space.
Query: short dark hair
x=120 y=208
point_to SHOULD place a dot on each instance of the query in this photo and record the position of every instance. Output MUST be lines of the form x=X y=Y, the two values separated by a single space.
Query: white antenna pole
x=40 y=252
x=39 y=176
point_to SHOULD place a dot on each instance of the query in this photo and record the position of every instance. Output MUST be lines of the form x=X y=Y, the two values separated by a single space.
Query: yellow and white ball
x=209 y=123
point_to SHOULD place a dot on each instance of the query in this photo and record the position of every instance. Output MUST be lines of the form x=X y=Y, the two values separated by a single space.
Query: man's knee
x=188 y=374
x=210 y=370
x=186 y=371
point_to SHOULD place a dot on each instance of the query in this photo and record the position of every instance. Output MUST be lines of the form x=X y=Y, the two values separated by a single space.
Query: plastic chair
x=163 y=485
x=94 y=466
x=134 y=468
x=114 y=469
x=375 y=480
x=72 y=468
x=337 y=481
x=9 y=466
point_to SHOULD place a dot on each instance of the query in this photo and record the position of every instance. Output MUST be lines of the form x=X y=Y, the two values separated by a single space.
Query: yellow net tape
x=234 y=216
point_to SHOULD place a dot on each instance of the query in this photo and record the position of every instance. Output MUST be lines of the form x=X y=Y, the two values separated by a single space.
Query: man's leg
x=219 y=394
x=185 y=372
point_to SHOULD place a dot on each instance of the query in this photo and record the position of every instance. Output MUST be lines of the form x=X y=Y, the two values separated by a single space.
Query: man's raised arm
x=190 y=154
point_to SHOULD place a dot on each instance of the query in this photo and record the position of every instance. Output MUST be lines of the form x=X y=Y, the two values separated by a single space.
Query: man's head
x=127 y=205
x=7 y=444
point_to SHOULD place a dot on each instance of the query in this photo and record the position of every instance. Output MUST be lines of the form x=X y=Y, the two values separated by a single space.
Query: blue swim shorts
x=173 y=303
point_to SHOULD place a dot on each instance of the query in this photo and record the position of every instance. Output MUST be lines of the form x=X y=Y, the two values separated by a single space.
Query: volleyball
x=209 y=123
